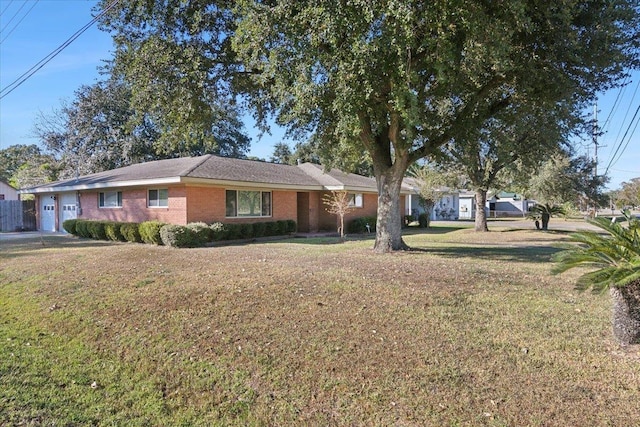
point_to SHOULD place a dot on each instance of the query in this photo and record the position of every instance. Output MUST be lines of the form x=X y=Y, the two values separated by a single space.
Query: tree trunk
x=545 y=220
x=481 y=213
x=389 y=223
x=626 y=313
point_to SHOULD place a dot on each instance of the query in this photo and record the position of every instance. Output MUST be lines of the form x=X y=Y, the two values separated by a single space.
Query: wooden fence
x=17 y=215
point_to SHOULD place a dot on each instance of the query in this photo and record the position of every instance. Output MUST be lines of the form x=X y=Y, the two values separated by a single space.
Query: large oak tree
x=394 y=79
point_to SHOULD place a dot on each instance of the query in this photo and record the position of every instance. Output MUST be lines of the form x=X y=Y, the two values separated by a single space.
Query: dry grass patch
x=469 y=329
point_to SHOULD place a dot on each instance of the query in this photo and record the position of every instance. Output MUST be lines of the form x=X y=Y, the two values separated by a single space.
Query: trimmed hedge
x=150 y=232
x=195 y=234
x=131 y=232
x=113 y=232
x=70 y=226
x=180 y=236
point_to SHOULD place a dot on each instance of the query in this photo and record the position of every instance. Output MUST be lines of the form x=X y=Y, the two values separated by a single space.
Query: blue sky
x=28 y=38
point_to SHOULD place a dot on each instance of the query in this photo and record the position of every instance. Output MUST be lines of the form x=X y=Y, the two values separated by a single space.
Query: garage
x=48 y=213
x=68 y=208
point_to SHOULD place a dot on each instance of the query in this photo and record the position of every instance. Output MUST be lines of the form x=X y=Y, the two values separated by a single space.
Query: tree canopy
x=394 y=80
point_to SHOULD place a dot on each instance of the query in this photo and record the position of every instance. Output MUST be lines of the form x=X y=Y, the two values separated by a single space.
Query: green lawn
x=468 y=329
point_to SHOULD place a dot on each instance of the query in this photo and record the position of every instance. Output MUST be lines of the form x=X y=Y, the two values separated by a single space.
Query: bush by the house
x=359 y=225
x=131 y=232
x=70 y=226
x=96 y=230
x=202 y=231
x=271 y=229
x=246 y=231
x=292 y=227
x=233 y=232
x=82 y=228
x=113 y=231
x=259 y=228
x=180 y=236
x=218 y=231
x=150 y=232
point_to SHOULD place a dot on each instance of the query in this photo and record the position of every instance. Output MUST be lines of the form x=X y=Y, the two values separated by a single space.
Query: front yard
x=468 y=329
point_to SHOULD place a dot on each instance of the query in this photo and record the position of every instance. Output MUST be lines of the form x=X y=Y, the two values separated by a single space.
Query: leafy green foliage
x=113 y=231
x=131 y=232
x=544 y=212
x=359 y=225
x=69 y=226
x=150 y=232
x=614 y=256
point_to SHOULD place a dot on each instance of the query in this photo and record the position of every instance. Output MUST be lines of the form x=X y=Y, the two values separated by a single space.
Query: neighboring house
x=7 y=192
x=445 y=208
x=503 y=204
x=206 y=188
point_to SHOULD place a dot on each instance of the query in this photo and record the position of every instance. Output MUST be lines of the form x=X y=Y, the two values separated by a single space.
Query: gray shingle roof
x=210 y=167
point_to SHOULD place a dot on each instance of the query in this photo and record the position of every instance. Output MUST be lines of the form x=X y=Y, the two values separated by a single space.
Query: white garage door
x=48 y=215
x=67 y=209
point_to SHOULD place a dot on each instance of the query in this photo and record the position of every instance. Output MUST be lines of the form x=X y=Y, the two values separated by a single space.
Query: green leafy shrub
x=131 y=232
x=271 y=228
x=233 y=232
x=81 y=228
x=359 y=225
x=96 y=230
x=292 y=227
x=259 y=228
x=246 y=231
x=202 y=231
x=70 y=226
x=218 y=231
x=283 y=227
x=112 y=230
x=180 y=236
x=423 y=220
x=150 y=232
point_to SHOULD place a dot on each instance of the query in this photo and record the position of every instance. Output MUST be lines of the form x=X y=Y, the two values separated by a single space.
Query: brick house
x=206 y=188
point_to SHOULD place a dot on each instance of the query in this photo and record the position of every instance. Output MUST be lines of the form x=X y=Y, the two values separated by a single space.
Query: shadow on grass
x=536 y=254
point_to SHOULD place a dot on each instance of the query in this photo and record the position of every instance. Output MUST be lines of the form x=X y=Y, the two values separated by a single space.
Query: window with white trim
x=240 y=203
x=158 y=198
x=110 y=199
x=356 y=200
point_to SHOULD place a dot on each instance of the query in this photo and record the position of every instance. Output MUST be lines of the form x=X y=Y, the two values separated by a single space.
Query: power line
x=612 y=162
x=21 y=19
x=14 y=16
x=31 y=71
x=619 y=144
x=5 y=8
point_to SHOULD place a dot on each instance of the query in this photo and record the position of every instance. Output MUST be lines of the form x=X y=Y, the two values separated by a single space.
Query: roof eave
x=102 y=185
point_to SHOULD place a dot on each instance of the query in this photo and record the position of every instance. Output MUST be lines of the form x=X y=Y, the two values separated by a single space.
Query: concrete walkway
x=28 y=234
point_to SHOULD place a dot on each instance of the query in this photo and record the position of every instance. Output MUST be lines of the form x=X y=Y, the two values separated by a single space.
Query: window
x=355 y=200
x=158 y=198
x=110 y=199
x=248 y=203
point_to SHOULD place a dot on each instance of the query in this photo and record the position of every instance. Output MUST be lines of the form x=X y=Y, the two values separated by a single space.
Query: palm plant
x=545 y=212
x=615 y=257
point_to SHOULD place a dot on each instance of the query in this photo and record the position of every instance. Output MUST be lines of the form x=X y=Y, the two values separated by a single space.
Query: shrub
x=233 y=231
x=202 y=231
x=96 y=230
x=246 y=231
x=271 y=229
x=359 y=225
x=180 y=236
x=259 y=228
x=131 y=232
x=81 y=228
x=292 y=227
x=112 y=230
x=218 y=231
x=283 y=227
x=423 y=220
x=70 y=226
x=150 y=232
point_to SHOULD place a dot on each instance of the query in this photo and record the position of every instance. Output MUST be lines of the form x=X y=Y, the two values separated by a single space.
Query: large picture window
x=110 y=199
x=248 y=203
x=158 y=198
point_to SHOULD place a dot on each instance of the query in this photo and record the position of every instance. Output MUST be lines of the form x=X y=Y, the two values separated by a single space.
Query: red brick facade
x=207 y=204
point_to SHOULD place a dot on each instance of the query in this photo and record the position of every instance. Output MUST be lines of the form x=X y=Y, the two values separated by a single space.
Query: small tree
x=544 y=213
x=338 y=203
